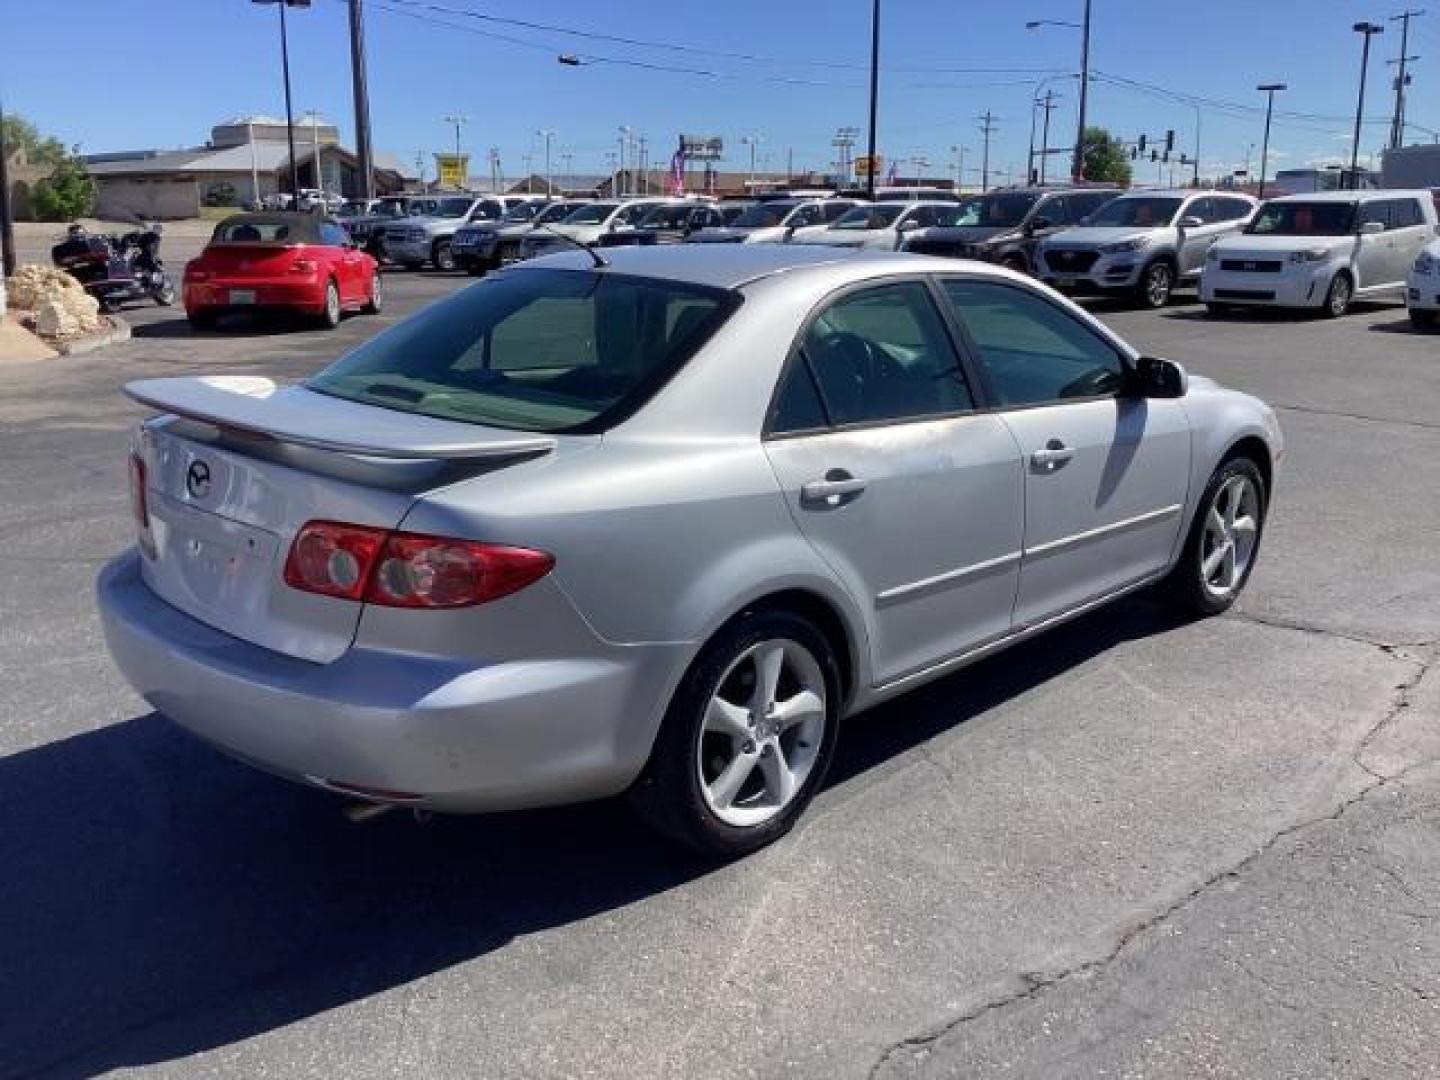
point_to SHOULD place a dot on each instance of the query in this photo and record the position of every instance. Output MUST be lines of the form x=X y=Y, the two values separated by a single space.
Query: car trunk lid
x=237 y=465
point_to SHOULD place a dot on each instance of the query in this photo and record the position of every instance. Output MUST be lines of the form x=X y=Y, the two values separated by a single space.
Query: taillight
x=194 y=273
x=304 y=266
x=397 y=569
x=139 y=508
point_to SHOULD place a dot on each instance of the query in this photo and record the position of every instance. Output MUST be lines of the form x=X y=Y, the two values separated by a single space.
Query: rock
x=52 y=320
x=61 y=305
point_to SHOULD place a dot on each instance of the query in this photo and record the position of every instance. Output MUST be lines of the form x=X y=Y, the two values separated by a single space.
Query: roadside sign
x=866 y=166
x=702 y=147
x=452 y=169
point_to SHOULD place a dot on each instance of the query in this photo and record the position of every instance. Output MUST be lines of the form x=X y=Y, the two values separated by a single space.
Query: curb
x=119 y=331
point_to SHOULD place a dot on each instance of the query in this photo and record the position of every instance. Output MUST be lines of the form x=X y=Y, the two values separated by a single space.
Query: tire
x=330 y=313
x=164 y=296
x=376 y=303
x=442 y=256
x=1421 y=319
x=1338 y=296
x=476 y=269
x=201 y=320
x=1157 y=282
x=1216 y=311
x=1200 y=584
x=713 y=781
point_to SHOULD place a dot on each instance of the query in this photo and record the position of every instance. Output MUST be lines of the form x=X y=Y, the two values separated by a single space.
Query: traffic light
x=1169 y=140
x=1142 y=144
x=1154 y=155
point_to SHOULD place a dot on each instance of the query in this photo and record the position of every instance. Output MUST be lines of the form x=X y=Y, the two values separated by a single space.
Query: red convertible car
x=293 y=262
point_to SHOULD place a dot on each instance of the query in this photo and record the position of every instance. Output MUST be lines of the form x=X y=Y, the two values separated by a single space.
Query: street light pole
x=289 y=111
x=1079 y=166
x=364 y=156
x=874 y=93
x=1366 y=30
x=1269 y=90
x=1049 y=107
x=7 y=219
x=547 y=135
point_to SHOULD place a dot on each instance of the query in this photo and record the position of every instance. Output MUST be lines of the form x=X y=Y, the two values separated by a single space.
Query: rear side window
x=1405 y=213
x=534 y=350
x=333 y=235
x=881 y=354
x=834 y=211
x=1032 y=351
x=1204 y=209
x=1375 y=210
x=1233 y=209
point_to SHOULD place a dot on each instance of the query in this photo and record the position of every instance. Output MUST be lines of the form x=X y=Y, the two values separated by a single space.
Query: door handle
x=838 y=488
x=1055 y=454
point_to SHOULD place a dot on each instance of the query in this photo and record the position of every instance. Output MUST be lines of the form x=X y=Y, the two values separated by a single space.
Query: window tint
x=1057 y=211
x=1375 y=210
x=834 y=211
x=1204 y=209
x=1405 y=213
x=797 y=406
x=1233 y=209
x=806 y=215
x=884 y=354
x=1033 y=351
x=536 y=350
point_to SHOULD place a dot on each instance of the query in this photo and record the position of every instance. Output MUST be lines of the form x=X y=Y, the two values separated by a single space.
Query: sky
x=787 y=74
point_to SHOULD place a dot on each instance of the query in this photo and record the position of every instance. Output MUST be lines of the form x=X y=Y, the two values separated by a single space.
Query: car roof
x=1352 y=195
x=729 y=266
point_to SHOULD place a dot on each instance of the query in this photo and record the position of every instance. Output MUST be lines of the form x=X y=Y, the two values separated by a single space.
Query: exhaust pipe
x=357 y=813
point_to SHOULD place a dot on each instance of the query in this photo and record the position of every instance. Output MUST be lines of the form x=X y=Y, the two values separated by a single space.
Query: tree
x=66 y=194
x=39 y=149
x=1106 y=159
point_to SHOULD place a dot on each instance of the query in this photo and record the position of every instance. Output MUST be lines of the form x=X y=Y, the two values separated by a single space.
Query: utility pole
x=289 y=112
x=459 y=121
x=789 y=163
x=1078 y=169
x=7 y=217
x=1195 y=175
x=363 y=153
x=315 y=149
x=844 y=143
x=874 y=93
x=1049 y=106
x=1367 y=30
x=987 y=128
x=1397 y=123
x=959 y=152
x=494 y=159
x=620 y=169
x=643 y=160
x=547 y=134
x=567 y=158
x=1269 y=90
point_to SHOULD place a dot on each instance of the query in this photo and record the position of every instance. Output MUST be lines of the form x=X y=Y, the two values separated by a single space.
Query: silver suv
x=417 y=240
x=1144 y=244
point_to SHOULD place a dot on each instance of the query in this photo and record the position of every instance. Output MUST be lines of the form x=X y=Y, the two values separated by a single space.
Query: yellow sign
x=452 y=170
x=864 y=165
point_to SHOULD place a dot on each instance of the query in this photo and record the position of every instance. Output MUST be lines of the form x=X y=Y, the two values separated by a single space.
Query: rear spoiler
x=257 y=406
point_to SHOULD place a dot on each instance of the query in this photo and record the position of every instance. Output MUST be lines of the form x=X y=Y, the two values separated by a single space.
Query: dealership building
x=245 y=159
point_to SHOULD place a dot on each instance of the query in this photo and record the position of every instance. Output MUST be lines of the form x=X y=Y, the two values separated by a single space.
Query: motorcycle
x=117 y=268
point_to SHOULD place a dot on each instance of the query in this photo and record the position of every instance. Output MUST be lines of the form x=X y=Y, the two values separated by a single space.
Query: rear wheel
x=1422 y=319
x=747 y=738
x=330 y=313
x=1338 y=296
x=377 y=295
x=1157 y=282
x=1223 y=541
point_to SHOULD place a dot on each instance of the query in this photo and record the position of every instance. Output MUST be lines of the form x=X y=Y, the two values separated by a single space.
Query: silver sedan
x=656 y=521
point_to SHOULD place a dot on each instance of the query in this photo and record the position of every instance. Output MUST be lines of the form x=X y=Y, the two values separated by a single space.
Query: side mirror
x=1190 y=221
x=1370 y=228
x=908 y=224
x=1156 y=377
x=1039 y=224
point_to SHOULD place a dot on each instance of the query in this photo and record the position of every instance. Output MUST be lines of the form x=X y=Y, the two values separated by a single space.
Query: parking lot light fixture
x=289 y=111
x=1078 y=166
x=1366 y=30
x=1269 y=90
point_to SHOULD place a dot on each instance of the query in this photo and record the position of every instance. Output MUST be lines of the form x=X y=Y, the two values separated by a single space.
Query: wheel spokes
x=804 y=706
x=726 y=718
x=768 y=665
x=1214 y=559
x=779 y=780
x=727 y=785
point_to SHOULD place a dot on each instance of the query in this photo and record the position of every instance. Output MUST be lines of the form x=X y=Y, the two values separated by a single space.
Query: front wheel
x=164 y=296
x=1223 y=541
x=1157 y=282
x=1338 y=296
x=443 y=257
x=377 y=295
x=1421 y=319
x=747 y=738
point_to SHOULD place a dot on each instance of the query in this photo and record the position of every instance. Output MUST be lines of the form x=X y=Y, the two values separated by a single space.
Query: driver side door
x=1106 y=472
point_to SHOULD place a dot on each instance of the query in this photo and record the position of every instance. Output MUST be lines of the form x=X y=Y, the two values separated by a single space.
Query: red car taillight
x=397 y=569
x=304 y=266
x=140 y=506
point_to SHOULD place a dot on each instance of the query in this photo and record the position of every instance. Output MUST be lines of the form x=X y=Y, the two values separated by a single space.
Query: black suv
x=1006 y=226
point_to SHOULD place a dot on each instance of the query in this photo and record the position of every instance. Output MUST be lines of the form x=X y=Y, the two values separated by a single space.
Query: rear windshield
x=534 y=350
x=255 y=230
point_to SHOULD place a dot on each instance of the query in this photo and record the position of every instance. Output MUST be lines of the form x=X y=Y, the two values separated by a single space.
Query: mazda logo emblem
x=197 y=479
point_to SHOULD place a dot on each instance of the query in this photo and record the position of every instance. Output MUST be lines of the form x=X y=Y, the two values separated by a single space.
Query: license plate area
x=212 y=567
x=241 y=297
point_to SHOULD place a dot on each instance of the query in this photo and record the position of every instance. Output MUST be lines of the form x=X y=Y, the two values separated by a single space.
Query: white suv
x=1321 y=250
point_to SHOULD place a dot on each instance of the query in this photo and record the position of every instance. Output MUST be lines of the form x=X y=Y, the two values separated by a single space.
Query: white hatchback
x=1320 y=251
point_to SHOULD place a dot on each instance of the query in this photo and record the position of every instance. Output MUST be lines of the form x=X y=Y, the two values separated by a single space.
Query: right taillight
x=397 y=569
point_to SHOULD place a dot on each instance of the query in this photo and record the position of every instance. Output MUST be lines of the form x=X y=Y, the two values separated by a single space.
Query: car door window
x=1056 y=212
x=833 y=211
x=1233 y=209
x=1032 y=351
x=875 y=355
x=1375 y=210
x=803 y=216
x=1204 y=209
x=333 y=235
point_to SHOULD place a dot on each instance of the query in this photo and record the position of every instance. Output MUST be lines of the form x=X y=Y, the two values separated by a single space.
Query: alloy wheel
x=332 y=304
x=1157 y=284
x=1232 y=529
x=1338 y=299
x=762 y=732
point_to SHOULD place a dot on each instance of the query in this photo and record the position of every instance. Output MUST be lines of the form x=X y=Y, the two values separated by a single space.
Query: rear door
x=1106 y=474
x=910 y=495
x=1375 y=262
x=1410 y=231
x=1195 y=240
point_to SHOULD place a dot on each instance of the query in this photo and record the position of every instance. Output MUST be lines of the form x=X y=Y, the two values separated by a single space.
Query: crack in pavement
x=1024 y=986
x=1312 y=411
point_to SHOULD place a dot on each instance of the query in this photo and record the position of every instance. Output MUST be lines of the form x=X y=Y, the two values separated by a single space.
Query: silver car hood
x=1094 y=237
x=302 y=417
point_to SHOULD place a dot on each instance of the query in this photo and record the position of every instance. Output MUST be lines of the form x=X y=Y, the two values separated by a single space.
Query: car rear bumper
x=445 y=735
x=303 y=295
x=1290 y=288
x=1423 y=293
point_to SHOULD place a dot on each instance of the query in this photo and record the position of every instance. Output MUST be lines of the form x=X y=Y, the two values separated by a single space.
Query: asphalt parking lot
x=1133 y=847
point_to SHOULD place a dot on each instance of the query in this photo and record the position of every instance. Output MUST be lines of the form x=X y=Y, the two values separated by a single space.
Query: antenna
x=598 y=259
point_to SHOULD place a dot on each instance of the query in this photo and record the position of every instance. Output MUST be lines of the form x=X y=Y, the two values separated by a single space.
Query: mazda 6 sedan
x=655 y=520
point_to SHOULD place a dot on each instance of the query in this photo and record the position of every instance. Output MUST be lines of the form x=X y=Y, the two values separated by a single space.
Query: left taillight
x=140 y=505
x=304 y=266
x=410 y=570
